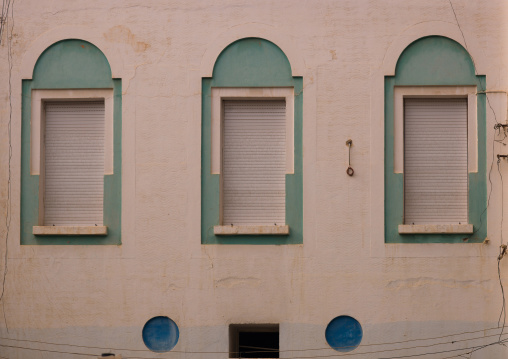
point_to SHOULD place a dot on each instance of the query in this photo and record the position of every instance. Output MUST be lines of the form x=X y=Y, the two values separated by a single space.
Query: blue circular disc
x=344 y=333
x=160 y=334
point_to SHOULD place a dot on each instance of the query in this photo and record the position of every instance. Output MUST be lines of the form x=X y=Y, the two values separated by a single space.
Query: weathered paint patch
x=124 y=35
x=233 y=282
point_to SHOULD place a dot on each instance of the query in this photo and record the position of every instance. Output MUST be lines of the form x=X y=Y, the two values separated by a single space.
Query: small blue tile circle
x=160 y=334
x=344 y=333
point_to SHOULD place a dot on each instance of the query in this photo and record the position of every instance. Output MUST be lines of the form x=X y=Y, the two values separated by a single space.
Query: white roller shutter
x=74 y=163
x=435 y=161
x=254 y=156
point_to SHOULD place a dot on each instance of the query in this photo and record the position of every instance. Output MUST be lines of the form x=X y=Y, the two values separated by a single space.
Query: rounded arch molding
x=431 y=28
x=263 y=31
x=66 y=33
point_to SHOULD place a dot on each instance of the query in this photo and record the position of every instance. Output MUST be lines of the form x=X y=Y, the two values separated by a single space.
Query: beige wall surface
x=101 y=296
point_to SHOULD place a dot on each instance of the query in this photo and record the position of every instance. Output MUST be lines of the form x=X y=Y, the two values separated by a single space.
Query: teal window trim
x=71 y=64
x=251 y=63
x=419 y=65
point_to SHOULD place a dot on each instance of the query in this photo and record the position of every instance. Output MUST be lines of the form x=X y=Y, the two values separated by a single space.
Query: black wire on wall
x=6 y=5
x=500 y=128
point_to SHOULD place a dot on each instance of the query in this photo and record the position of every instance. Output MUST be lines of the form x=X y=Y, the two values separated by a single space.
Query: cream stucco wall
x=101 y=296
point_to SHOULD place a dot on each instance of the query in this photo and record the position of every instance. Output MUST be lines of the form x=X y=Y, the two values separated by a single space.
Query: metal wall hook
x=350 y=171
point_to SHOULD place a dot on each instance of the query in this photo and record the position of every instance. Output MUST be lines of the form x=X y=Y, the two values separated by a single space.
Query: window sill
x=435 y=228
x=70 y=230
x=251 y=230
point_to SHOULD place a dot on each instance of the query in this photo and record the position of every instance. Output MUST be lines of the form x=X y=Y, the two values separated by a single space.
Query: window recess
x=435 y=165
x=222 y=167
x=72 y=174
x=254 y=159
x=253 y=179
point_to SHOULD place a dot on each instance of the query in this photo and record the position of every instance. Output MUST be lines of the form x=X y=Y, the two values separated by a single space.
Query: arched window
x=252 y=147
x=435 y=171
x=71 y=148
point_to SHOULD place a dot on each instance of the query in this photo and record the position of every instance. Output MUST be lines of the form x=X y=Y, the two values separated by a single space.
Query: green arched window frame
x=80 y=66
x=440 y=62
x=251 y=63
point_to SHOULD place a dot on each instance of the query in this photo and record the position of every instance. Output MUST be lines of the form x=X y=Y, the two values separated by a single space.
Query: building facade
x=188 y=179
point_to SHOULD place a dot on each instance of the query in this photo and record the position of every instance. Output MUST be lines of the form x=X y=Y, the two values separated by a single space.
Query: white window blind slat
x=74 y=163
x=435 y=161
x=254 y=157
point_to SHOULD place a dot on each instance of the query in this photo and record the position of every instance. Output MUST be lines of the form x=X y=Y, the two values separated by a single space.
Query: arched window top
x=252 y=62
x=435 y=60
x=72 y=64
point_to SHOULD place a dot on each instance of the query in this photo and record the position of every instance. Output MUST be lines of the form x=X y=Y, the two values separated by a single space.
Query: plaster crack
x=412 y=283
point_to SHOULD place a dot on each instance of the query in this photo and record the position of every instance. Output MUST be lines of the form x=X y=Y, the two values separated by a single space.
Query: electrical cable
x=277 y=351
x=293 y=357
x=2 y=20
x=479 y=348
x=280 y=351
x=503 y=308
x=3 y=16
x=456 y=356
x=8 y=205
x=498 y=126
x=47 y=350
x=473 y=348
x=491 y=91
x=483 y=89
x=485 y=92
x=501 y=254
x=387 y=350
x=441 y=352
